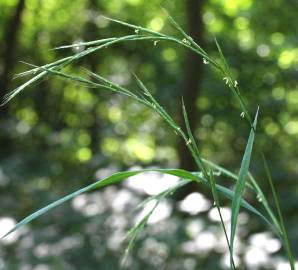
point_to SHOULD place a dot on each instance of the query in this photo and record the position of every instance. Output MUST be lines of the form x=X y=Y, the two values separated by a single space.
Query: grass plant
x=207 y=172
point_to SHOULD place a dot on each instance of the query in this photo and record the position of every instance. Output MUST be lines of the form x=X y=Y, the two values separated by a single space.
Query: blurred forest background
x=57 y=137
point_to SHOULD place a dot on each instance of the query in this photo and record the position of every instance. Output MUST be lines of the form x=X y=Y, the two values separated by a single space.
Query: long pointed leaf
x=253 y=186
x=217 y=204
x=118 y=177
x=281 y=219
x=230 y=194
x=240 y=184
x=114 y=178
x=134 y=232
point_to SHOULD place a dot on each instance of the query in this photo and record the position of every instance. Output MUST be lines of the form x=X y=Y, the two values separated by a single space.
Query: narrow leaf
x=194 y=147
x=253 y=186
x=136 y=27
x=240 y=184
x=217 y=205
x=114 y=178
x=281 y=219
x=133 y=232
x=230 y=194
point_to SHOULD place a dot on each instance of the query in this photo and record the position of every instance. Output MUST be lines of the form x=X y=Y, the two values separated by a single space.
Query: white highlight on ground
x=151 y=183
x=7 y=223
x=195 y=203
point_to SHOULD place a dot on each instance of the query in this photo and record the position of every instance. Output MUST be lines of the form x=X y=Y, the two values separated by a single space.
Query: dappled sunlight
x=258 y=251
x=4 y=180
x=246 y=39
x=263 y=50
x=265 y=241
x=255 y=258
x=156 y=24
x=225 y=261
x=22 y=127
x=121 y=200
x=115 y=240
x=241 y=23
x=292 y=127
x=213 y=23
x=277 y=38
x=7 y=223
x=204 y=242
x=41 y=267
x=169 y=54
x=225 y=213
x=282 y=264
x=105 y=172
x=154 y=249
x=161 y=212
x=288 y=58
x=194 y=227
x=151 y=183
x=142 y=149
x=84 y=154
x=89 y=205
x=232 y=7
x=44 y=250
x=195 y=203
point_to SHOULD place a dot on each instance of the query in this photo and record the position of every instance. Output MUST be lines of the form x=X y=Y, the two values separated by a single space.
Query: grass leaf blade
x=217 y=205
x=241 y=182
x=114 y=178
x=281 y=219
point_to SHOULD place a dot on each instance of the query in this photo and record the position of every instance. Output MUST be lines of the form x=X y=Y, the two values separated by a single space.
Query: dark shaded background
x=57 y=137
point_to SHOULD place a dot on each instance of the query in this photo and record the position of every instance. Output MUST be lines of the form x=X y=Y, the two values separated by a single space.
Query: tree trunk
x=192 y=67
x=10 y=42
x=8 y=55
x=92 y=32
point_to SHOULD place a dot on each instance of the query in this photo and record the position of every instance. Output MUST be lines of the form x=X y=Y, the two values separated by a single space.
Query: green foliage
x=241 y=182
x=57 y=135
x=146 y=98
x=113 y=179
